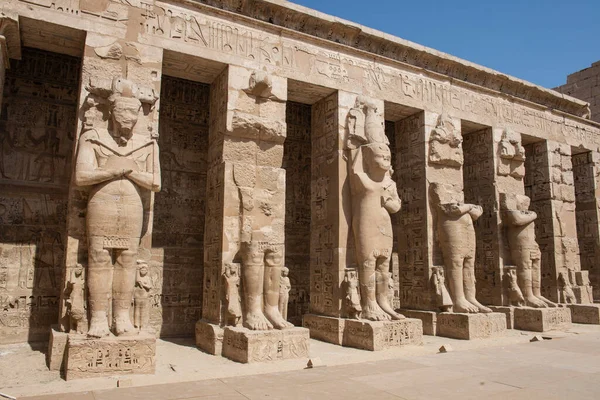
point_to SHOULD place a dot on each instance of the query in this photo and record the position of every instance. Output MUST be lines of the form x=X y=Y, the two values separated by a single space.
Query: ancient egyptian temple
x=256 y=175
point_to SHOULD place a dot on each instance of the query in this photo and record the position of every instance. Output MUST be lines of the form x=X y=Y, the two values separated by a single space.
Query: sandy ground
x=23 y=370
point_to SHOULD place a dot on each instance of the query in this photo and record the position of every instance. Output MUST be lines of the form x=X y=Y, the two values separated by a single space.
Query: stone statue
x=364 y=124
x=353 y=308
x=443 y=299
x=374 y=197
x=457 y=240
x=284 y=292
x=117 y=166
x=445 y=144
x=231 y=279
x=76 y=300
x=568 y=296
x=141 y=294
x=524 y=249
x=511 y=155
x=261 y=268
x=513 y=292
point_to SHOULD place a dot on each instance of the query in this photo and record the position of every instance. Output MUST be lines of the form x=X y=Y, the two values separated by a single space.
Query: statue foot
x=533 y=301
x=548 y=302
x=99 y=326
x=274 y=316
x=373 y=312
x=480 y=307
x=123 y=326
x=390 y=311
x=463 y=306
x=256 y=321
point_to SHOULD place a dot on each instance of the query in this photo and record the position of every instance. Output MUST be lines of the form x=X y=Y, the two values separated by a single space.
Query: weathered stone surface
x=542 y=319
x=209 y=337
x=327 y=329
x=248 y=346
x=509 y=312
x=89 y=358
x=57 y=346
x=585 y=313
x=471 y=326
x=428 y=319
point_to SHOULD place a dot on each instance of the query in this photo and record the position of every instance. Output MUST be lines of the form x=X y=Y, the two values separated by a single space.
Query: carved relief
x=284 y=292
x=233 y=306
x=76 y=302
x=443 y=299
x=445 y=144
x=511 y=155
x=118 y=166
x=141 y=294
x=566 y=290
x=512 y=291
x=457 y=240
x=352 y=300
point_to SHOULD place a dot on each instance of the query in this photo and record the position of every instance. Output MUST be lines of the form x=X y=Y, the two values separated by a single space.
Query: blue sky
x=541 y=41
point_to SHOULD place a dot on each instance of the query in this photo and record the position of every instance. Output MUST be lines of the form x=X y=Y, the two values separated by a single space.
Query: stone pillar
x=10 y=45
x=343 y=124
x=430 y=178
x=245 y=219
x=549 y=183
x=115 y=73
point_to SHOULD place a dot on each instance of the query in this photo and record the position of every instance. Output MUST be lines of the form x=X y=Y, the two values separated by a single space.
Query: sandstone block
x=247 y=346
x=326 y=329
x=509 y=312
x=56 y=349
x=585 y=313
x=428 y=318
x=542 y=319
x=471 y=326
x=91 y=358
x=209 y=337
x=380 y=335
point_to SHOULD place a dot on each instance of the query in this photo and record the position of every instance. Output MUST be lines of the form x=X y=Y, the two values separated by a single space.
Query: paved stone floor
x=565 y=367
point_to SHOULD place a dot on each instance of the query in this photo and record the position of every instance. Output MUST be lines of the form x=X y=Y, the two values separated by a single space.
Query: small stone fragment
x=537 y=338
x=124 y=383
x=315 y=363
x=446 y=348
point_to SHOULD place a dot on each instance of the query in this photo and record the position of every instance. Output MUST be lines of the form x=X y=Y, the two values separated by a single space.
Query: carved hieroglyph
x=524 y=250
x=118 y=165
x=374 y=197
x=457 y=239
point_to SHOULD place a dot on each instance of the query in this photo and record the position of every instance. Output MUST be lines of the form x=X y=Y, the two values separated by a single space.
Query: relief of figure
x=364 y=124
x=76 y=300
x=261 y=269
x=118 y=166
x=513 y=291
x=445 y=144
x=353 y=308
x=443 y=299
x=511 y=155
x=284 y=292
x=141 y=297
x=566 y=290
x=374 y=197
x=524 y=249
x=457 y=240
x=231 y=280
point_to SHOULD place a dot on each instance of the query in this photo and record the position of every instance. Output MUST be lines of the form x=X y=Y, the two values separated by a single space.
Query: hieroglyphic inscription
x=297 y=165
x=410 y=164
x=38 y=124
x=480 y=188
x=179 y=207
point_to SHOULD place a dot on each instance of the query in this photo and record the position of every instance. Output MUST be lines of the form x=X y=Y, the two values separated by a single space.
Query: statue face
x=125 y=115
x=143 y=270
x=523 y=203
x=381 y=158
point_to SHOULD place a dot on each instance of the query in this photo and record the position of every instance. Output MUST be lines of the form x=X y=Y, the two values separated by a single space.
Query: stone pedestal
x=471 y=326
x=428 y=318
x=247 y=346
x=57 y=346
x=585 y=313
x=91 y=358
x=209 y=337
x=542 y=319
x=509 y=312
x=363 y=334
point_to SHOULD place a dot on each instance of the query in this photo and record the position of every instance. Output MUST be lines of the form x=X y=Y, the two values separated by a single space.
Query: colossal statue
x=118 y=166
x=457 y=240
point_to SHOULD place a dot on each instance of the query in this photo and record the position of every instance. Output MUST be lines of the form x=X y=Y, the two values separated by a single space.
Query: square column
x=10 y=45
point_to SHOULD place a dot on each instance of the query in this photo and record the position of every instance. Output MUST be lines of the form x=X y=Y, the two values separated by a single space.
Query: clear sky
x=541 y=41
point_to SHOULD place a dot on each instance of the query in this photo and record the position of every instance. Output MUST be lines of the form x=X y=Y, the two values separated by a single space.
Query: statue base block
x=209 y=337
x=57 y=346
x=91 y=358
x=471 y=326
x=247 y=346
x=363 y=334
x=542 y=319
x=509 y=312
x=428 y=318
x=585 y=313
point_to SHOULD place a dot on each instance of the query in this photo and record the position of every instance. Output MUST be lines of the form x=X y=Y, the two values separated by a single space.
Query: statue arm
x=520 y=218
x=87 y=172
x=149 y=180
x=392 y=202
x=358 y=173
x=455 y=209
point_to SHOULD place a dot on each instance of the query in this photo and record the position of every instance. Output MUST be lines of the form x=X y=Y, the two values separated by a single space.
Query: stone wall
x=585 y=85
x=37 y=130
